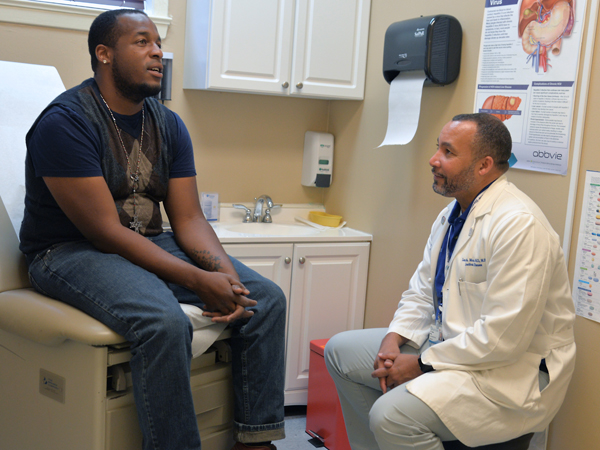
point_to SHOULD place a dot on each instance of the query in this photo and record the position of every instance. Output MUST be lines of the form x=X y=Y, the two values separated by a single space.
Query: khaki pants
x=396 y=420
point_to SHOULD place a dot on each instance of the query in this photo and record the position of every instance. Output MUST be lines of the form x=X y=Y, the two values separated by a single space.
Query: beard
x=134 y=92
x=461 y=182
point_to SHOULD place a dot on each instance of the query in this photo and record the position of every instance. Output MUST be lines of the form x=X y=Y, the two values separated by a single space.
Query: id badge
x=435 y=333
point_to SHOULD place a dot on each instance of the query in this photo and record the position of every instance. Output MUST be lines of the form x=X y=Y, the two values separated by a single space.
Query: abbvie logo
x=547 y=155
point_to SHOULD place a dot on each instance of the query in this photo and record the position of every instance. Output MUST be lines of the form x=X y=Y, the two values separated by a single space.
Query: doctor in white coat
x=481 y=347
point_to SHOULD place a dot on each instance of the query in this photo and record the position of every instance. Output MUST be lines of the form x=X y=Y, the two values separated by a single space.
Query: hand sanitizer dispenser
x=317 y=166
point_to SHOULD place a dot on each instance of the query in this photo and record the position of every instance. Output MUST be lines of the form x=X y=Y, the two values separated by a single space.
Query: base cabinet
x=325 y=285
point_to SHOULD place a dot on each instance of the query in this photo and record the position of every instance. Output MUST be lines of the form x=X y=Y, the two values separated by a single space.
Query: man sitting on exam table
x=487 y=318
x=100 y=158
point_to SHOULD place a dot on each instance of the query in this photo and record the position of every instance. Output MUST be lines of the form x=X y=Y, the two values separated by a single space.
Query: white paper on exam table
x=25 y=90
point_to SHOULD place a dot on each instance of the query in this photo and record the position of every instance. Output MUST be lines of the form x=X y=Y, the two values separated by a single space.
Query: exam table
x=64 y=377
x=65 y=382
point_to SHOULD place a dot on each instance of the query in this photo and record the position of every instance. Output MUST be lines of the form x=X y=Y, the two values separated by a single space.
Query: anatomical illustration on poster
x=526 y=76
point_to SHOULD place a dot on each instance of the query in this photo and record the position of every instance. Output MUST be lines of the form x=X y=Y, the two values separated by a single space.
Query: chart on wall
x=528 y=61
x=586 y=277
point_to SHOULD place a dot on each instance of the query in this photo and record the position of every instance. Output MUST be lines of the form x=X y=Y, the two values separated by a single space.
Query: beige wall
x=387 y=191
x=248 y=145
x=576 y=426
x=245 y=145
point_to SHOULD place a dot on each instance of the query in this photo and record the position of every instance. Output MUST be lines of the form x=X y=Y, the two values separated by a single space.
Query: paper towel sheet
x=25 y=90
x=205 y=330
x=404 y=107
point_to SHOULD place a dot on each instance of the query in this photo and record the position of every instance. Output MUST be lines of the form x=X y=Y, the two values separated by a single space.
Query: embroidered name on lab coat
x=474 y=262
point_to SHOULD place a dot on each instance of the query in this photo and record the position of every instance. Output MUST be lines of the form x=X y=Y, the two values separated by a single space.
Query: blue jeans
x=145 y=310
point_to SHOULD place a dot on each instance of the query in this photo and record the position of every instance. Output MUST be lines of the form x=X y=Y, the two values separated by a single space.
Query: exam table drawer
x=213 y=401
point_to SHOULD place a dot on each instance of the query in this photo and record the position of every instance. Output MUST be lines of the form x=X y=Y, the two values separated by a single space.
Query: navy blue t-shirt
x=64 y=144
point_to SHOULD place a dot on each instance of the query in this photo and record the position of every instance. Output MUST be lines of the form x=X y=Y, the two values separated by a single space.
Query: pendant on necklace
x=135 y=224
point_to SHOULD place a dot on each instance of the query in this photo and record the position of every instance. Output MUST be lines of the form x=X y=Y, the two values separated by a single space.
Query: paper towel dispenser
x=431 y=43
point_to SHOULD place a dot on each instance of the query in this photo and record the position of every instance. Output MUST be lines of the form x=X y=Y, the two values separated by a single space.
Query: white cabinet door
x=329 y=285
x=309 y=48
x=239 y=45
x=330 y=48
x=272 y=261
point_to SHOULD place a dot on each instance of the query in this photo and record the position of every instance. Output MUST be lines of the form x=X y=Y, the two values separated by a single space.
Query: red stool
x=324 y=420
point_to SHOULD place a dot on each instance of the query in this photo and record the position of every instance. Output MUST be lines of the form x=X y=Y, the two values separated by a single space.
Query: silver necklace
x=135 y=224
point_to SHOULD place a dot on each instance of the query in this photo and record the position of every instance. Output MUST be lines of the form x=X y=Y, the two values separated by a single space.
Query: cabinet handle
x=288 y=260
x=299 y=85
x=285 y=85
x=302 y=260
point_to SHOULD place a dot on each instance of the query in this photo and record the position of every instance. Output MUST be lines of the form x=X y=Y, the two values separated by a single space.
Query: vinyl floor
x=297 y=439
x=295 y=426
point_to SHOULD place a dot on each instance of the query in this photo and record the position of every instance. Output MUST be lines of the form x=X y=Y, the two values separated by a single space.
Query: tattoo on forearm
x=206 y=260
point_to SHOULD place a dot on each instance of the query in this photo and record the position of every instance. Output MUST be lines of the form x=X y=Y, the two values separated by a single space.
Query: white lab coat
x=507 y=305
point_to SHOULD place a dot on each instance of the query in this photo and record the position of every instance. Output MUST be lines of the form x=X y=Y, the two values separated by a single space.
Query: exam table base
x=61 y=397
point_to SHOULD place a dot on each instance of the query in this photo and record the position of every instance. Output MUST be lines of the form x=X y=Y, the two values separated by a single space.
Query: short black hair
x=491 y=139
x=105 y=31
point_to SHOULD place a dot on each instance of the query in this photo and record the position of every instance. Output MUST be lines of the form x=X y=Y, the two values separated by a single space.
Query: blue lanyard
x=456 y=222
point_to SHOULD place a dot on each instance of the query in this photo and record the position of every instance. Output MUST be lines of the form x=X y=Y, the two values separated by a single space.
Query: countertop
x=286 y=230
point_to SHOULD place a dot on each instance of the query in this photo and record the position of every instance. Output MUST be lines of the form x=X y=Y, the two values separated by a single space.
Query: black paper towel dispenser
x=431 y=43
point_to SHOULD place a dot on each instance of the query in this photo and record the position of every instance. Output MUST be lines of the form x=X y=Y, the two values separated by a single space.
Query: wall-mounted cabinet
x=304 y=48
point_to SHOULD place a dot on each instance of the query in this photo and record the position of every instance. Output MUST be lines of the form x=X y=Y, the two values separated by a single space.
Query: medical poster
x=528 y=62
x=586 y=277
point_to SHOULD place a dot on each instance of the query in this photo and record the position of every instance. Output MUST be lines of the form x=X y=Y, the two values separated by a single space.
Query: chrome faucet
x=258 y=208
x=262 y=210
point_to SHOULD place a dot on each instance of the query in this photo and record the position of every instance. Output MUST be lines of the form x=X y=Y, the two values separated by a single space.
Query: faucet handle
x=267 y=217
x=248 y=217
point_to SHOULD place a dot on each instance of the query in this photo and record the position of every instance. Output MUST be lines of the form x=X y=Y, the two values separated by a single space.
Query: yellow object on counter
x=322 y=218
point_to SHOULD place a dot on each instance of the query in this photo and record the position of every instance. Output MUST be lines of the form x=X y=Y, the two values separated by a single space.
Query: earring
x=104 y=61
